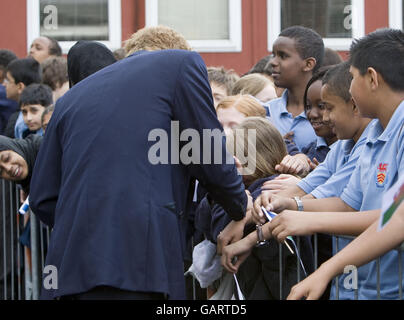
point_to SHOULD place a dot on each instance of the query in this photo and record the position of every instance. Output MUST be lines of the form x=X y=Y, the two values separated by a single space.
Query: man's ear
x=310 y=64
x=373 y=78
x=20 y=87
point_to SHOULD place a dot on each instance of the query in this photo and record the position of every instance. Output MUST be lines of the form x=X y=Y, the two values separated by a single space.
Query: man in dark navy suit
x=117 y=216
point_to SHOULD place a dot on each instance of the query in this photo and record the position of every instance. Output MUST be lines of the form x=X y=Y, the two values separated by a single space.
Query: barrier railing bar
x=11 y=213
x=280 y=272
x=378 y=278
x=42 y=245
x=4 y=243
x=400 y=273
x=336 y=278
x=34 y=255
x=19 y=262
x=315 y=240
x=297 y=259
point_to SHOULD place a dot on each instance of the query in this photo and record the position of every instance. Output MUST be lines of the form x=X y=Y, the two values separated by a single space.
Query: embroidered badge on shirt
x=381 y=175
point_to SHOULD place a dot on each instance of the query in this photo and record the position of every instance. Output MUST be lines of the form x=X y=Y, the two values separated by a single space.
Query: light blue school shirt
x=334 y=173
x=284 y=122
x=377 y=170
x=20 y=126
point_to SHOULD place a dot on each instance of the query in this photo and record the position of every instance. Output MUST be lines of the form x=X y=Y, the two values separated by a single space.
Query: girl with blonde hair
x=258 y=148
x=256 y=85
x=232 y=110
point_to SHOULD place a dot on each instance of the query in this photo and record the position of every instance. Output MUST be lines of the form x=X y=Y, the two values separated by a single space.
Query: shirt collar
x=350 y=143
x=321 y=143
x=284 y=103
x=395 y=123
x=348 y=146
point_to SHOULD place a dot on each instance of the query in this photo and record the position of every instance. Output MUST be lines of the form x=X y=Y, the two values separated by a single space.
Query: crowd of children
x=329 y=143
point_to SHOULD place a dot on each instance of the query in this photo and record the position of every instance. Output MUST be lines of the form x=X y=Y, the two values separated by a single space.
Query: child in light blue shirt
x=298 y=52
x=377 y=89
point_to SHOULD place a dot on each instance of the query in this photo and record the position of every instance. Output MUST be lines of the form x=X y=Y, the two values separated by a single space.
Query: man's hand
x=281 y=183
x=235 y=229
x=271 y=202
x=297 y=164
x=291 y=223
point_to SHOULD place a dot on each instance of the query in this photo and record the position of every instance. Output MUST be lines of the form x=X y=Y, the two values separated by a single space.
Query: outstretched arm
x=193 y=109
x=365 y=248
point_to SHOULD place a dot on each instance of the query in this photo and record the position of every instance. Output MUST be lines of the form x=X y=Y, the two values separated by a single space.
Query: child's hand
x=283 y=182
x=312 y=287
x=291 y=223
x=289 y=136
x=240 y=250
x=232 y=233
x=271 y=202
x=297 y=164
x=313 y=164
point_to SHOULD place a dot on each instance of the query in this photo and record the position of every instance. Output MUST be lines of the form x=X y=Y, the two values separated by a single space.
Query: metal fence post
x=19 y=260
x=315 y=238
x=400 y=271
x=336 y=278
x=12 y=213
x=378 y=278
x=4 y=242
x=35 y=256
x=280 y=272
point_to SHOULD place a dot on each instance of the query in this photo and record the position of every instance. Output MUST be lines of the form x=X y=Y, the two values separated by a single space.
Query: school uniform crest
x=381 y=174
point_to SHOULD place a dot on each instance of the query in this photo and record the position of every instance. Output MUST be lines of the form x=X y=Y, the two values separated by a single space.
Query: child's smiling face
x=315 y=110
x=13 y=167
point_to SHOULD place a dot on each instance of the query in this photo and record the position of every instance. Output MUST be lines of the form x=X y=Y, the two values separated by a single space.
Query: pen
x=270 y=215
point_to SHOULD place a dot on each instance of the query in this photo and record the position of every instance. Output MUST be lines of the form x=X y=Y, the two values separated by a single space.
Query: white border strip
x=396 y=14
x=358 y=25
x=114 y=18
x=234 y=44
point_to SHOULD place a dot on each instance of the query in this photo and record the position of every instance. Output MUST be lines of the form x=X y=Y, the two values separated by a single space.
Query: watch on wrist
x=299 y=203
x=260 y=237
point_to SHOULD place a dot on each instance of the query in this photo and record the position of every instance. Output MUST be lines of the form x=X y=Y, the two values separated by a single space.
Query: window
x=337 y=21
x=71 y=20
x=396 y=14
x=209 y=25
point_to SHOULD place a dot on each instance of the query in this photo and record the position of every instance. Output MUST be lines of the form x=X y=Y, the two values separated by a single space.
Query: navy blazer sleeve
x=46 y=176
x=193 y=108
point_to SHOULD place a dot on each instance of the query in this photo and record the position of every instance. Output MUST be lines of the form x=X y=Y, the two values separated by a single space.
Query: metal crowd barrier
x=21 y=266
x=12 y=264
x=399 y=250
x=24 y=243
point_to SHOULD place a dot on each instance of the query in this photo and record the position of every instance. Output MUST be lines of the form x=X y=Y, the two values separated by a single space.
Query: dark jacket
x=118 y=218
x=313 y=151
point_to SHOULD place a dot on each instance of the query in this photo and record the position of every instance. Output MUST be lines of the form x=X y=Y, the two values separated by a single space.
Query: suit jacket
x=117 y=218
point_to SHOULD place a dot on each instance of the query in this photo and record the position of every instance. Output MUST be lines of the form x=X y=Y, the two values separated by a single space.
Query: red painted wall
x=376 y=15
x=13 y=26
x=254 y=40
x=254 y=36
x=13 y=29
